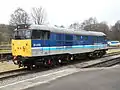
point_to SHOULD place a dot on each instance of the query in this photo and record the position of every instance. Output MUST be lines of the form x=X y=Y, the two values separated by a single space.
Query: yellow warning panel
x=21 y=47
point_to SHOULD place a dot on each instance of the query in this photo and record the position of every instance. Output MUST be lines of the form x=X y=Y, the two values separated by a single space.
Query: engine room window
x=59 y=37
x=68 y=37
x=85 y=37
x=77 y=37
x=105 y=38
x=40 y=34
x=95 y=38
x=100 y=38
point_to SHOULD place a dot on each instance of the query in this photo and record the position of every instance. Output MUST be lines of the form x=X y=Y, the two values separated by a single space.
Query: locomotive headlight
x=25 y=26
x=18 y=27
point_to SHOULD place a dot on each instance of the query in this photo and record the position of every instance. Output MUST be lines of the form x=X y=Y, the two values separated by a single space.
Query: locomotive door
x=95 y=42
x=46 y=42
x=46 y=47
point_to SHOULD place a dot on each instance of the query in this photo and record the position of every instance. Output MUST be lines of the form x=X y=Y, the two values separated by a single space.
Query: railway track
x=106 y=63
x=107 y=60
x=12 y=73
x=19 y=72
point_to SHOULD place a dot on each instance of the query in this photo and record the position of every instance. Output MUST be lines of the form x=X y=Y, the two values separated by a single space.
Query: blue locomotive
x=47 y=45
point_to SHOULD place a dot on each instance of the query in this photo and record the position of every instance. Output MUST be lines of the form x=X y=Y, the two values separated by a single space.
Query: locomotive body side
x=58 y=44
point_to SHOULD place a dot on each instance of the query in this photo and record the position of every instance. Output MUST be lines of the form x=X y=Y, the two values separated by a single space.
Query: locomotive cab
x=26 y=40
x=21 y=43
x=28 y=43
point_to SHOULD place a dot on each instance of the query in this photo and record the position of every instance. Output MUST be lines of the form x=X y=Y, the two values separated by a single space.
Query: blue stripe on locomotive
x=69 y=40
x=71 y=47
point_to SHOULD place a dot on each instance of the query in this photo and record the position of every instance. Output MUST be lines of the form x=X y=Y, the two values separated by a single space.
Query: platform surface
x=97 y=79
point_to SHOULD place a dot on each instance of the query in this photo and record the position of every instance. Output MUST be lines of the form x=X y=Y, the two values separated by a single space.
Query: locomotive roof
x=67 y=31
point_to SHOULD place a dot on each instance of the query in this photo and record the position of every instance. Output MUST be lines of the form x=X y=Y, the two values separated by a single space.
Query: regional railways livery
x=46 y=45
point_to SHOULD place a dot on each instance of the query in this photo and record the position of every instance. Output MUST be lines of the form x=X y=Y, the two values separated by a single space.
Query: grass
x=5 y=43
x=7 y=66
x=113 y=50
x=5 y=51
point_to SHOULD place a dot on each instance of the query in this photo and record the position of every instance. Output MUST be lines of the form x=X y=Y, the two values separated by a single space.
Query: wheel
x=30 y=67
x=100 y=54
x=91 y=55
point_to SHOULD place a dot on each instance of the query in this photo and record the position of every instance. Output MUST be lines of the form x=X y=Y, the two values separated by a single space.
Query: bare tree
x=38 y=15
x=62 y=26
x=116 y=30
x=75 y=25
x=103 y=27
x=90 y=24
x=19 y=16
x=6 y=32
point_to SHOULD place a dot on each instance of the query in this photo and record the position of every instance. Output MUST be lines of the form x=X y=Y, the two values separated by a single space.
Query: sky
x=65 y=12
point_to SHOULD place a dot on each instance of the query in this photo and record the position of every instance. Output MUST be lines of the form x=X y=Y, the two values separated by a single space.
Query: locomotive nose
x=21 y=47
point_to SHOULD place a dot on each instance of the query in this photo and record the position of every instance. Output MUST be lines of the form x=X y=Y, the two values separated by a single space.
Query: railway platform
x=97 y=79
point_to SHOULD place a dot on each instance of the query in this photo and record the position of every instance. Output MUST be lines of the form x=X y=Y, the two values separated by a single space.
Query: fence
x=5 y=51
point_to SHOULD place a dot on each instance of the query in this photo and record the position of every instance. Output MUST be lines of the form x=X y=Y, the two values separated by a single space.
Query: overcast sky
x=65 y=12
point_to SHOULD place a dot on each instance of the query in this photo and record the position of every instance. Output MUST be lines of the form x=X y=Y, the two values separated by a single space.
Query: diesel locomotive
x=34 y=45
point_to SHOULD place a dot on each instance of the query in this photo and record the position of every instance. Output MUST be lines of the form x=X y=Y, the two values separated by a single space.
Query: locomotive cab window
x=40 y=34
x=22 y=34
